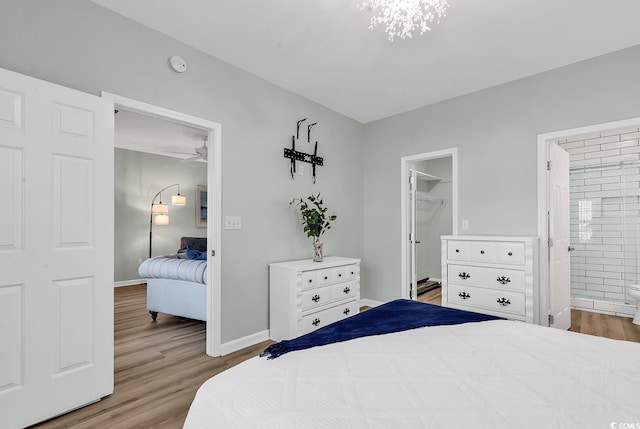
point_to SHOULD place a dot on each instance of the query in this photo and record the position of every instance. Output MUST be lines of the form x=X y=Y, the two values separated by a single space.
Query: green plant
x=314 y=218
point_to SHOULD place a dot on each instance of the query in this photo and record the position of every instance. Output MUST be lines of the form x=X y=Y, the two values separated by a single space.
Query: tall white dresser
x=491 y=275
x=306 y=295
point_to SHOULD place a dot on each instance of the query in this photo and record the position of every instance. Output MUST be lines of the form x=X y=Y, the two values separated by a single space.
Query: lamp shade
x=178 y=200
x=159 y=209
x=161 y=219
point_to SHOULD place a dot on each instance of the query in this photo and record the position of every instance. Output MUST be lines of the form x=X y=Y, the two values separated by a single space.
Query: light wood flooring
x=159 y=366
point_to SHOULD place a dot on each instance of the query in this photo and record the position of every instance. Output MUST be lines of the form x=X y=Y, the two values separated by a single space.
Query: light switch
x=232 y=222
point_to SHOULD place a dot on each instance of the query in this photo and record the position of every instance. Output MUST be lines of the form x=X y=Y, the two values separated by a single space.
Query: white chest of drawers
x=306 y=295
x=491 y=275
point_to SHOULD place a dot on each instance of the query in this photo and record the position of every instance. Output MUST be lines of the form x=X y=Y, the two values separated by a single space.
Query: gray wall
x=80 y=45
x=138 y=177
x=495 y=131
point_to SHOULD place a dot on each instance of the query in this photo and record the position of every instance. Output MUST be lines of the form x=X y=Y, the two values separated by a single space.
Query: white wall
x=81 y=45
x=138 y=177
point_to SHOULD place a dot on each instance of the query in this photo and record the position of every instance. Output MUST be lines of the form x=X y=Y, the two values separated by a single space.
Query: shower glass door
x=605 y=230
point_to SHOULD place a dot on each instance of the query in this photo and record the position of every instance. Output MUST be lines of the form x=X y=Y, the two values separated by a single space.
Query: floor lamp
x=160 y=211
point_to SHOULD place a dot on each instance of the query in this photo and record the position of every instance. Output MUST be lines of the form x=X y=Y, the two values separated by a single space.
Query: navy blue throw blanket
x=394 y=316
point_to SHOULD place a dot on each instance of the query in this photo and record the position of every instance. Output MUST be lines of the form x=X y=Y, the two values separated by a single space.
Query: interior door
x=559 y=233
x=413 y=282
x=56 y=249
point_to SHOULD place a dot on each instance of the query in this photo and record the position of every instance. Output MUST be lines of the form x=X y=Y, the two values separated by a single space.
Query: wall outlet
x=465 y=224
x=232 y=222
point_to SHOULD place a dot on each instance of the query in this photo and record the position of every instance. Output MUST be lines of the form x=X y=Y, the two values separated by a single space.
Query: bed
x=483 y=374
x=177 y=283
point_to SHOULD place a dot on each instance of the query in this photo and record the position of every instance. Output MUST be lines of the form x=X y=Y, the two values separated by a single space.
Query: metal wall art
x=295 y=155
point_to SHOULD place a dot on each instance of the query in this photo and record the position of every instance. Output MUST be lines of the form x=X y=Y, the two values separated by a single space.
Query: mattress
x=493 y=374
x=174 y=267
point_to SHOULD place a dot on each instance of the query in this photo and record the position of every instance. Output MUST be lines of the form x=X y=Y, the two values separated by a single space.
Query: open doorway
x=429 y=210
x=210 y=131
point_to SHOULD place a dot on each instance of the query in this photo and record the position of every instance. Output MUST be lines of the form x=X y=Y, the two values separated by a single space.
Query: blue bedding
x=394 y=316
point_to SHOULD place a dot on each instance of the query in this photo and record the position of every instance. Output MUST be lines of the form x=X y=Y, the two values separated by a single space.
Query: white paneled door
x=560 y=244
x=56 y=249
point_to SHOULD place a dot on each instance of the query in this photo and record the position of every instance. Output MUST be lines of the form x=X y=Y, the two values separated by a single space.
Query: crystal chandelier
x=402 y=17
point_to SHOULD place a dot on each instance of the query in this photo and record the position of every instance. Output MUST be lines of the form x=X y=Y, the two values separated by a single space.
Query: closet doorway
x=429 y=211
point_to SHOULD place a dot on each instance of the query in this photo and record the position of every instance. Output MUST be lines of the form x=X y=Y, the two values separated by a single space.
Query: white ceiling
x=143 y=133
x=324 y=51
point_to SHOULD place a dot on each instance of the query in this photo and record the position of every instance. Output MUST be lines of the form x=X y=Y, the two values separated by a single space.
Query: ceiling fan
x=199 y=153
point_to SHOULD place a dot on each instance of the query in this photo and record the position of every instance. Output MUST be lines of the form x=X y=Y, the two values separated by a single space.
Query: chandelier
x=402 y=17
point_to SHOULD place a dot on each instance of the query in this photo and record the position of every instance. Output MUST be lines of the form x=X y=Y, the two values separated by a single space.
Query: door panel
x=559 y=231
x=413 y=287
x=56 y=249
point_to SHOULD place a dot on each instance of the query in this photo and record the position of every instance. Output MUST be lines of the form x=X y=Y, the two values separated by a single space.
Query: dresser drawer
x=510 y=253
x=350 y=272
x=323 y=318
x=309 y=279
x=315 y=297
x=499 y=278
x=482 y=251
x=323 y=277
x=458 y=250
x=465 y=275
x=487 y=299
x=344 y=290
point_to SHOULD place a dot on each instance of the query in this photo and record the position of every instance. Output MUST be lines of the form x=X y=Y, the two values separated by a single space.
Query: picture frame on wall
x=201 y=206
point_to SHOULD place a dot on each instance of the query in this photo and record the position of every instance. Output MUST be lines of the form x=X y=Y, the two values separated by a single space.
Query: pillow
x=196 y=254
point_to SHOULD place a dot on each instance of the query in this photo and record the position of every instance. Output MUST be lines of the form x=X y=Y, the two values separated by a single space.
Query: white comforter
x=497 y=374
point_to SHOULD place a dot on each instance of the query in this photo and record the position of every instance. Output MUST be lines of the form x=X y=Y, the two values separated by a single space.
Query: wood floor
x=159 y=366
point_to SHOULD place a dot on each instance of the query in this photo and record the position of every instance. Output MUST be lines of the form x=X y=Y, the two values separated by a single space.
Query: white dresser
x=306 y=295
x=491 y=275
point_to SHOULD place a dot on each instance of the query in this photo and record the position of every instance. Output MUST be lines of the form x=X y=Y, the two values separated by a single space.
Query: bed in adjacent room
x=177 y=283
x=490 y=373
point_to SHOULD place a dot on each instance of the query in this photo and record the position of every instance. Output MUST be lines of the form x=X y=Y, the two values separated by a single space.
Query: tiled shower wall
x=605 y=208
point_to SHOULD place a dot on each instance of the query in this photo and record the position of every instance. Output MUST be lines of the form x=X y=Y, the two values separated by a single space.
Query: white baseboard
x=604 y=307
x=241 y=343
x=370 y=303
x=129 y=282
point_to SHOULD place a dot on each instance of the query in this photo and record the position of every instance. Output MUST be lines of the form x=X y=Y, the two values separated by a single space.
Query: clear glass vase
x=317 y=249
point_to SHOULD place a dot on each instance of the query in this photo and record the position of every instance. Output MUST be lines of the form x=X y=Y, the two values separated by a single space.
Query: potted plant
x=315 y=220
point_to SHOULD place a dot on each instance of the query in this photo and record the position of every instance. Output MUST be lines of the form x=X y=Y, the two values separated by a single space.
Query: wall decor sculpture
x=295 y=155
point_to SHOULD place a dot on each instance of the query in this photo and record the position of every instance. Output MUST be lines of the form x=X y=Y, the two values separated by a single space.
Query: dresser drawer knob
x=457 y=250
x=310 y=281
x=482 y=252
x=339 y=275
x=315 y=298
x=503 y=302
x=352 y=272
x=464 y=295
x=503 y=280
x=510 y=253
x=315 y=322
x=464 y=275
x=346 y=311
x=346 y=290
x=326 y=278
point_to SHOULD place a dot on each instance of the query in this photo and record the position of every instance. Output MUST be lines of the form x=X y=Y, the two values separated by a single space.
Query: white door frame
x=543 y=197
x=214 y=200
x=405 y=163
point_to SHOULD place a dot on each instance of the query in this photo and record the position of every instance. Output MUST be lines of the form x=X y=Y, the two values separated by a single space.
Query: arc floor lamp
x=160 y=212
